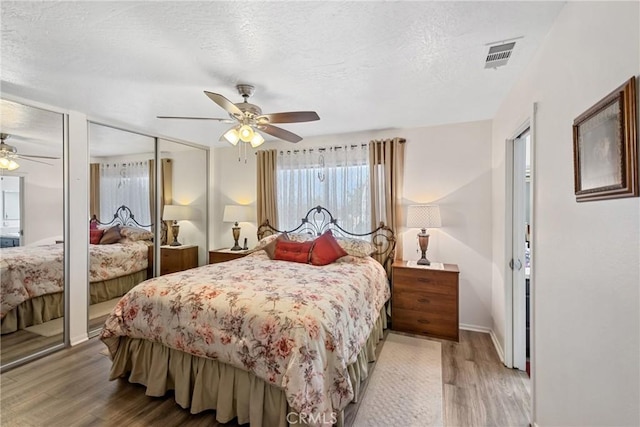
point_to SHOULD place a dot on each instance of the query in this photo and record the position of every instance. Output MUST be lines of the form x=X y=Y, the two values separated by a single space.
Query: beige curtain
x=166 y=193
x=94 y=190
x=267 y=198
x=387 y=169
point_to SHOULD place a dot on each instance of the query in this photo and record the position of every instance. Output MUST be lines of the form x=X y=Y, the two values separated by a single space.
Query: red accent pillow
x=287 y=250
x=95 y=236
x=326 y=249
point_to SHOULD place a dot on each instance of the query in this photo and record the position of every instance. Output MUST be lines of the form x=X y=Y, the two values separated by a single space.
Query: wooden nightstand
x=223 y=255
x=178 y=258
x=425 y=300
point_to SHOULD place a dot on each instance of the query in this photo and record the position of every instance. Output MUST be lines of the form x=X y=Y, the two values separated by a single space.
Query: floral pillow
x=301 y=237
x=266 y=240
x=135 y=233
x=356 y=247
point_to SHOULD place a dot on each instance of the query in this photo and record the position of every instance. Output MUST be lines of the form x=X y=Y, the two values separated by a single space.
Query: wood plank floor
x=70 y=388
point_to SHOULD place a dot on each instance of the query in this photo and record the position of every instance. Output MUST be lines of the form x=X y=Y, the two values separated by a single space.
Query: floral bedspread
x=111 y=261
x=297 y=326
x=31 y=271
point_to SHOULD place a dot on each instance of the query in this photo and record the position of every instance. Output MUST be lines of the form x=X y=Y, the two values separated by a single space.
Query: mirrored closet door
x=122 y=200
x=183 y=203
x=32 y=256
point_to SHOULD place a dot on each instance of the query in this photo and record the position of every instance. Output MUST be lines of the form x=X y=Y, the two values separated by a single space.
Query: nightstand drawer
x=414 y=298
x=435 y=281
x=224 y=255
x=442 y=325
x=177 y=258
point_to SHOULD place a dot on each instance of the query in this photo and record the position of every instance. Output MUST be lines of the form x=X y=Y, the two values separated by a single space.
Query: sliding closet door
x=121 y=200
x=183 y=205
x=32 y=256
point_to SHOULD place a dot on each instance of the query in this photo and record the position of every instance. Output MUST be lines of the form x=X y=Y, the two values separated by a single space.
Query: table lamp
x=423 y=217
x=236 y=214
x=176 y=213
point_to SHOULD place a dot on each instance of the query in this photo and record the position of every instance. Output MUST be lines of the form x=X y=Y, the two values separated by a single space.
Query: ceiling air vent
x=499 y=55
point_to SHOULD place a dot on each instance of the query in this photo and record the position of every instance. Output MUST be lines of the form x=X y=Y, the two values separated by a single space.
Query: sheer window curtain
x=387 y=171
x=335 y=177
x=125 y=184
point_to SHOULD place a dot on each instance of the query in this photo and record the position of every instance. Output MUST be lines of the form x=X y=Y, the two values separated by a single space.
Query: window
x=125 y=184
x=336 y=178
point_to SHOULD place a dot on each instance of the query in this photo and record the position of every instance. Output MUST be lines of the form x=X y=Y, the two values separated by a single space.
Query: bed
x=268 y=342
x=32 y=277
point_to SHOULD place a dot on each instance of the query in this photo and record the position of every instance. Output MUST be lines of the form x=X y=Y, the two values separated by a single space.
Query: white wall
x=586 y=261
x=449 y=165
x=43 y=201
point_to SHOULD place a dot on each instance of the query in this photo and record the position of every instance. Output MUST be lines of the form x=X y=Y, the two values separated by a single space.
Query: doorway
x=518 y=249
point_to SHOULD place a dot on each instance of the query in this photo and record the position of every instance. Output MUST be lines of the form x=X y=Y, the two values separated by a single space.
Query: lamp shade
x=177 y=212
x=236 y=213
x=423 y=216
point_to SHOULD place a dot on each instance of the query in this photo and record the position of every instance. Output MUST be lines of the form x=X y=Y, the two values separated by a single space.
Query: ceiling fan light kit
x=8 y=164
x=8 y=154
x=251 y=120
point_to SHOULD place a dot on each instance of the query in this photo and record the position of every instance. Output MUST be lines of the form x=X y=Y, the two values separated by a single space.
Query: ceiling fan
x=250 y=119
x=9 y=154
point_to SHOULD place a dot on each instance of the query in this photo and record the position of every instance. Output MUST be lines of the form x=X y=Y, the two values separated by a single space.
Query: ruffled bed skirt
x=202 y=384
x=51 y=306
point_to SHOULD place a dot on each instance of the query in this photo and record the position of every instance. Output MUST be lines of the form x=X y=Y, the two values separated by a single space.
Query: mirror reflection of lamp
x=423 y=217
x=236 y=214
x=177 y=213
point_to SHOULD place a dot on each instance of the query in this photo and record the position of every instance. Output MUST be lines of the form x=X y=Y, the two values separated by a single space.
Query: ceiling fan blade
x=225 y=103
x=37 y=161
x=197 y=118
x=37 y=157
x=280 y=133
x=290 y=117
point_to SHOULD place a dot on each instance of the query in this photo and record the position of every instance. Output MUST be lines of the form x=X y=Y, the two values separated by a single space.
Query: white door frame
x=515 y=308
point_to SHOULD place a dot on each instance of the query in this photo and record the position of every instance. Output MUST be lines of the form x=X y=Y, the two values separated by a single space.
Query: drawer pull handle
x=424 y=280
x=424 y=300
x=426 y=322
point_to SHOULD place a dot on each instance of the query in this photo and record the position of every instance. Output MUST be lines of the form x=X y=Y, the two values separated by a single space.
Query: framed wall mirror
x=32 y=230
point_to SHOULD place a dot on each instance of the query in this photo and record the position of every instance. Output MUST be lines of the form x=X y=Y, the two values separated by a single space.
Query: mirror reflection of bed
x=32 y=212
x=119 y=259
x=121 y=193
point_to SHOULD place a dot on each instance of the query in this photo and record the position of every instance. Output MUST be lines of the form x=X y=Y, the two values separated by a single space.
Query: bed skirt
x=204 y=384
x=41 y=309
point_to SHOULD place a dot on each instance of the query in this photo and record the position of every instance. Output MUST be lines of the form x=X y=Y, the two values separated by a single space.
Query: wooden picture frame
x=605 y=147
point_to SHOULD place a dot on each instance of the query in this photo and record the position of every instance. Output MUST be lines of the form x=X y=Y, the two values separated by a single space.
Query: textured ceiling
x=360 y=65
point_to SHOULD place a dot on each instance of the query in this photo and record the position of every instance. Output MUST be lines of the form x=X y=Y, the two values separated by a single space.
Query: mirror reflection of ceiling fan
x=9 y=154
x=250 y=119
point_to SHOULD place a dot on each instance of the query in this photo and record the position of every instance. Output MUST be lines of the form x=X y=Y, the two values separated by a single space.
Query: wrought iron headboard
x=319 y=219
x=123 y=216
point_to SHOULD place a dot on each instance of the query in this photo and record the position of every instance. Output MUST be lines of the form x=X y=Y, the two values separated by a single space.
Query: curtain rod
x=323 y=149
x=364 y=144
